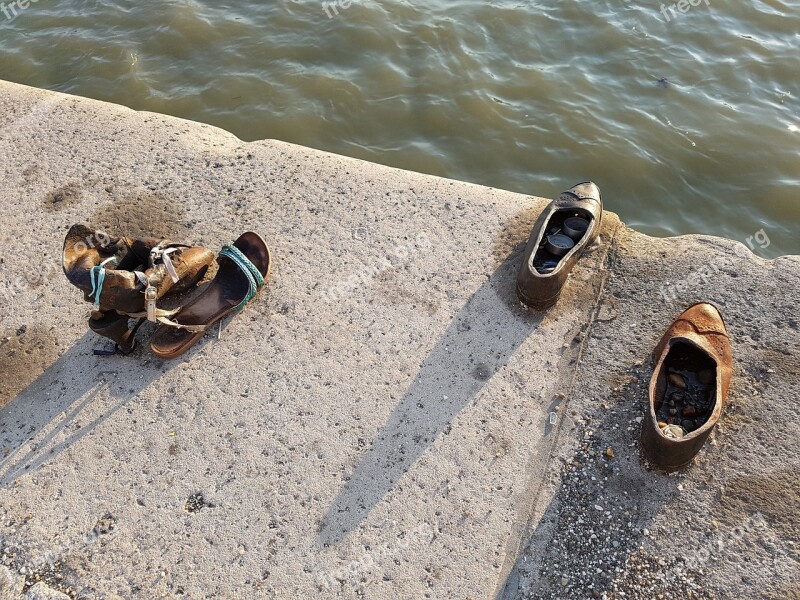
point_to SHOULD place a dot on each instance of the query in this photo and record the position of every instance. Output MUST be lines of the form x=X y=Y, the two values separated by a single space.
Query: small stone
x=687 y=424
x=194 y=503
x=598 y=507
x=661 y=424
x=40 y=591
x=10 y=584
x=673 y=411
x=676 y=397
x=609 y=452
x=564 y=580
x=105 y=524
x=678 y=381
x=706 y=376
x=689 y=411
x=674 y=431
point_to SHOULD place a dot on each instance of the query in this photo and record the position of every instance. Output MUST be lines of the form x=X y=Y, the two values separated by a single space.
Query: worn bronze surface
x=218 y=299
x=123 y=293
x=541 y=291
x=702 y=327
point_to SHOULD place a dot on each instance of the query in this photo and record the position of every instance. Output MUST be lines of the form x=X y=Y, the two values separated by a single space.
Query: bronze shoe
x=244 y=267
x=567 y=226
x=693 y=366
x=124 y=277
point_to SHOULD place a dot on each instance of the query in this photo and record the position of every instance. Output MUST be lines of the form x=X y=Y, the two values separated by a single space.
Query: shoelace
x=254 y=277
x=98 y=276
x=162 y=254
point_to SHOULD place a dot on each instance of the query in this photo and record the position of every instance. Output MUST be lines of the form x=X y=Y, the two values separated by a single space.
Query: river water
x=688 y=120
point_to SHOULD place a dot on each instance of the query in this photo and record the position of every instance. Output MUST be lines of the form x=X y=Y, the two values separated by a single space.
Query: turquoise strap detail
x=254 y=277
x=98 y=276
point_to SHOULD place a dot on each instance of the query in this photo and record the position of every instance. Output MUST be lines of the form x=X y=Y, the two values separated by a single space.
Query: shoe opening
x=686 y=391
x=563 y=231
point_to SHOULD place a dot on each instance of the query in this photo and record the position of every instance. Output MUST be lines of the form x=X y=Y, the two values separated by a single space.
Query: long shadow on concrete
x=576 y=541
x=484 y=334
x=48 y=415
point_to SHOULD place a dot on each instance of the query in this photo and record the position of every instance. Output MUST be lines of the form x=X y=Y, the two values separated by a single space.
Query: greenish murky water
x=526 y=96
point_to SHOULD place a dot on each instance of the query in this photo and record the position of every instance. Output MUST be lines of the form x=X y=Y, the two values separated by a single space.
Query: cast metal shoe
x=567 y=226
x=244 y=267
x=693 y=365
x=124 y=278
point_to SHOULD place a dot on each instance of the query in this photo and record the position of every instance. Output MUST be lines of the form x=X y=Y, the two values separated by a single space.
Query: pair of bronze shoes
x=692 y=361
x=127 y=278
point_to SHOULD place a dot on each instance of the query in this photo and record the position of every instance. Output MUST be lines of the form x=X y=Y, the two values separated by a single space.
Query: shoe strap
x=98 y=276
x=254 y=278
x=161 y=252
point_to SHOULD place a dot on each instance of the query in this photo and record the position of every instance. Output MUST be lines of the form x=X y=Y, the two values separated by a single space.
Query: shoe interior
x=687 y=390
x=563 y=231
x=131 y=261
x=85 y=250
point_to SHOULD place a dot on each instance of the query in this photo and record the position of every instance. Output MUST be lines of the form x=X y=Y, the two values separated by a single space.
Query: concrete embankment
x=378 y=423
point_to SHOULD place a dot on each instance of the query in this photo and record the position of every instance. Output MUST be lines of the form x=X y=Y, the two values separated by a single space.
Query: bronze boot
x=693 y=365
x=567 y=226
x=115 y=326
x=123 y=277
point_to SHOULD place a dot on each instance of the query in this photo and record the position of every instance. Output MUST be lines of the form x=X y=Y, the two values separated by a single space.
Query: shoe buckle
x=150 y=297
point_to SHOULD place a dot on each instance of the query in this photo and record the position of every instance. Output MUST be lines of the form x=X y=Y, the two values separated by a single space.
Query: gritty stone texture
x=11 y=584
x=727 y=527
x=378 y=422
x=40 y=591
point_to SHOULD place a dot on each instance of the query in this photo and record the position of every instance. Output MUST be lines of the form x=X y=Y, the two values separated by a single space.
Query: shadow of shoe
x=482 y=337
x=69 y=400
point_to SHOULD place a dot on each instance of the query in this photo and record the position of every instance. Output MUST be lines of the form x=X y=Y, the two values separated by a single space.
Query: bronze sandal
x=243 y=269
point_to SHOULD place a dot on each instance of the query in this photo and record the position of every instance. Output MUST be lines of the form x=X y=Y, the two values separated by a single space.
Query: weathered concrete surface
x=729 y=526
x=376 y=424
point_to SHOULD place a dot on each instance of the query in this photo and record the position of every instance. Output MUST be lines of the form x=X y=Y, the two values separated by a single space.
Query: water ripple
x=689 y=124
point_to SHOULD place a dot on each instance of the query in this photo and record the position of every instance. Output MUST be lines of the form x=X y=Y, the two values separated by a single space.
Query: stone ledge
x=378 y=421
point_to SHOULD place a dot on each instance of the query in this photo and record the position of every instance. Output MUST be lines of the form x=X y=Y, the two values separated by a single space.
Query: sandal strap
x=193 y=328
x=161 y=254
x=163 y=316
x=254 y=277
x=97 y=276
x=158 y=314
